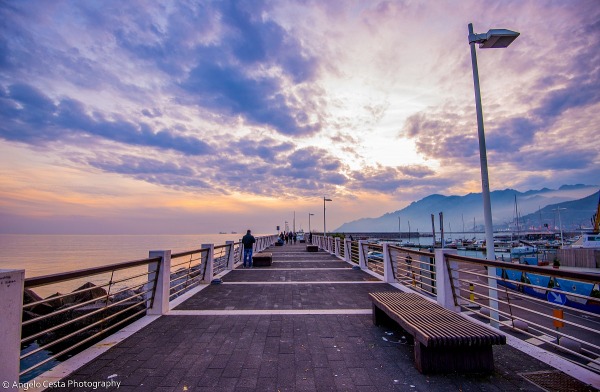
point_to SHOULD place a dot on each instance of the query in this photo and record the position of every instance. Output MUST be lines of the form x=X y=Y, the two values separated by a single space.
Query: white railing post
x=163 y=282
x=388 y=272
x=445 y=297
x=11 y=302
x=347 y=250
x=210 y=262
x=231 y=254
x=361 y=255
x=337 y=246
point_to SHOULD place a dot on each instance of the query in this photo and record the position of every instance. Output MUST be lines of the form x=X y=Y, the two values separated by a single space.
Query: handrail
x=530 y=316
x=588 y=277
x=64 y=276
x=186 y=253
x=413 y=251
x=64 y=322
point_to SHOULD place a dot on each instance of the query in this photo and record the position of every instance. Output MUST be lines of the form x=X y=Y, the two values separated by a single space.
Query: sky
x=168 y=117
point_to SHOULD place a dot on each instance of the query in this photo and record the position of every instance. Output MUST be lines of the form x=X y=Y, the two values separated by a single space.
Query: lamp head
x=495 y=38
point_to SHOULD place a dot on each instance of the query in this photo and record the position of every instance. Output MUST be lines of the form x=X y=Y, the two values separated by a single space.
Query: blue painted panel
x=538 y=280
x=514 y=275
x=572 y=286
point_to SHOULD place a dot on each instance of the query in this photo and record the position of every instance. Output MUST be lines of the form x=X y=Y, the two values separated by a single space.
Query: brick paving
x=285 y=352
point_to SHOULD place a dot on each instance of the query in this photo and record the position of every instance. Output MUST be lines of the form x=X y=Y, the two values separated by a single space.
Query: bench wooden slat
x=444 y=340
x=432 y=324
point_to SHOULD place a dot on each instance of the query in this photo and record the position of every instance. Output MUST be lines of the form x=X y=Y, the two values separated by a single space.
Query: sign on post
x=556 y=298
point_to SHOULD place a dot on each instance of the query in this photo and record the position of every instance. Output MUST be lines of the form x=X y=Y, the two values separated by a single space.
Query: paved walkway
x=303 y=324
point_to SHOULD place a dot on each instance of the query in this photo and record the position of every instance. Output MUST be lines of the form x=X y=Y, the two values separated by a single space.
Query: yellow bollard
x=472 y=292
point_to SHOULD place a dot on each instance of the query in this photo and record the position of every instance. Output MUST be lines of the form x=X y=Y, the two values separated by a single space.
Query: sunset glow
x=176 y=117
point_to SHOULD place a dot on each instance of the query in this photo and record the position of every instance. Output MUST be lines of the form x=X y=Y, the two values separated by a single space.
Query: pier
x=304 y=323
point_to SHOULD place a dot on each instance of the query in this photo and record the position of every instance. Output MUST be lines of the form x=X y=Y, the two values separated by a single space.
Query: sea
x=45 y=254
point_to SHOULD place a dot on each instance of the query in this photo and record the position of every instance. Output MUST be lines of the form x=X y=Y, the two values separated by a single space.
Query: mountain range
x=534 y=208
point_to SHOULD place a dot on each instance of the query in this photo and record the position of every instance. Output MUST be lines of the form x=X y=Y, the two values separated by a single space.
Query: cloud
x=258 y=69
x=418 y=171
x=296 y=172
x=31 y=117
x=265 y=148
x=168 y=174
x=442 y=134
x=512 y=134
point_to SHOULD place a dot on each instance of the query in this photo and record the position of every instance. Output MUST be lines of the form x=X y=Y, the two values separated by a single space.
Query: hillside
x=465 y=212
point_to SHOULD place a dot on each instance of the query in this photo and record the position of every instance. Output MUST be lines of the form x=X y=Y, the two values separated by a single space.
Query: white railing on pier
x=553 y=308
x=105 y=298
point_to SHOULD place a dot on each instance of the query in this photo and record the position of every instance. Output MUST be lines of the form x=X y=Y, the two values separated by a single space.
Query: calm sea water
x=49 y=254
x=41 y=254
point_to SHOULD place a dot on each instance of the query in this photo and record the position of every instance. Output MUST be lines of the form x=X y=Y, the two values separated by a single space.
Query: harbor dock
x=304 y=323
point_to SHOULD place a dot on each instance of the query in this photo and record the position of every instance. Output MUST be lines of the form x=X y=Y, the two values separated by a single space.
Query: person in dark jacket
x=248 y=241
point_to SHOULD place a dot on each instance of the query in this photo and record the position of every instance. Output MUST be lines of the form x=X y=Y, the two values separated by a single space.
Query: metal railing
x=554 y=309
x=544 y=306
x=414 y=269
x=188 y=270
x=109 y=297
x=373 y=256
x=237 y=253
x=221 y=258
x=354 y=255
x=62 y=323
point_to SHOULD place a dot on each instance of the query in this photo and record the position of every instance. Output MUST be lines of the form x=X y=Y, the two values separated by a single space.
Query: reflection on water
x=50 y=254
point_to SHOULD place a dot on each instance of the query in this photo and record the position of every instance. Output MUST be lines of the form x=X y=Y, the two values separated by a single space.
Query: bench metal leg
x=474 y=359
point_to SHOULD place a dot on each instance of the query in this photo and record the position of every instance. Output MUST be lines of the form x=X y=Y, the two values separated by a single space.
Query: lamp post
x=495 y=38
x=324 y=227
x=309 y=215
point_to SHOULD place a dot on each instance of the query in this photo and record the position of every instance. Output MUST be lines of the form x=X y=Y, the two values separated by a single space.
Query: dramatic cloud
x=370 y=103
x=33 y=118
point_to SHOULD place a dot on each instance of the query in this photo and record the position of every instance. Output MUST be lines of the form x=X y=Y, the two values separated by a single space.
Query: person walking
x=248 y=241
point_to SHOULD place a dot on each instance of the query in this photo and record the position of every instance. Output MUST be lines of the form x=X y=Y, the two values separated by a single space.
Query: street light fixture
x=324 y=227
x=309 y=215
x=495 y=38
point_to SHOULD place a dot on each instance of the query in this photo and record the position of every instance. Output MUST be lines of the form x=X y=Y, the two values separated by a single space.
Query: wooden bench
x=444 y=340
x=264 y=259
x=312 y=248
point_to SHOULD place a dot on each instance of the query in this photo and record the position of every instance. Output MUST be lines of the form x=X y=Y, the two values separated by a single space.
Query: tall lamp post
x=309 y=215
x=495 y=38
x=324 y=227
